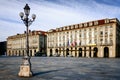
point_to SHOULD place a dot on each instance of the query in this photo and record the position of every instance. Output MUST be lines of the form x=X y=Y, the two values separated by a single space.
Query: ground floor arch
x=84 y=51
x=75 y=51
x=56 y=50
x=67 y=52
x=51 y=52
x=95 y=52
x=106 y=52
x=90 y=51
x=80 y=52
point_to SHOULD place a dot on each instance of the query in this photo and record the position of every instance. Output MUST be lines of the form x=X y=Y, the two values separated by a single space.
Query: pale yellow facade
x=16 y=45
x=99 y=38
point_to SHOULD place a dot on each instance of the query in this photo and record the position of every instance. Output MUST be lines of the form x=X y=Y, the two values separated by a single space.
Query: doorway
x=67 y=52
x=106 y=52
x=95 y=51
x=80 y=52
x=50 y=52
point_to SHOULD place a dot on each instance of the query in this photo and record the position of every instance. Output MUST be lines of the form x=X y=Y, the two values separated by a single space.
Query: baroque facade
x=16 y=45
x=99 y=38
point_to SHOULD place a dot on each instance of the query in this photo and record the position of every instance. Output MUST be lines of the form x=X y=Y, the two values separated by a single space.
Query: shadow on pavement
x=45 y=72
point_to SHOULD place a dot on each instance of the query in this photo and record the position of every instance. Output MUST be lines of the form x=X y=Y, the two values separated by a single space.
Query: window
x=76 y=26
x=75 y=31
x=80 y=31
x=67 y=32
x=95 y=41
x=79 y=35
x=84 y=29
x=91 y=23
x=80 y=43
x=111 y=40
x=68 y=27
x=101 y=39
x=89 y=29
x=105 y=40
x=95 y=28
x=80 y=25
x=110 y=26
x=101 y=32
x=95 y=22
x=59 y=45
x=85 y=24
x=89 y=41
x=106 y=33
x=107 y=20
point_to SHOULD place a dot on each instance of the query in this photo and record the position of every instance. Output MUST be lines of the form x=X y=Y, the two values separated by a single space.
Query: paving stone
x=62 y=68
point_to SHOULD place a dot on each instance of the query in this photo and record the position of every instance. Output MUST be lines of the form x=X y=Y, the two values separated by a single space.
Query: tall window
x=95 y=41
x=105 y=40
x=101 y=32
x=90 y=41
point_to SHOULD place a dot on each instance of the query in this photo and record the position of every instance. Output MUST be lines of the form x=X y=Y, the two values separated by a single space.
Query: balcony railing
x=106 y=44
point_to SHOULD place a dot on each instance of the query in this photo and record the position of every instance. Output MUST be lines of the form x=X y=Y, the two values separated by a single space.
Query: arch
x=67 y=52
x=60 y=50
x=19 y=52
x=63 y=52
x=106 y=52
x=15 y=53
x=95 y=52
x=12 y=53
x=80 y=52
x=75 y=51
x=84 y=51
x=50 y=52
x=56 y=50
x=90 y=51
x=23 y=52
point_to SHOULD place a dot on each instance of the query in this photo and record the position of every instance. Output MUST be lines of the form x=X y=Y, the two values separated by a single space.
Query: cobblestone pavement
x=62 y=68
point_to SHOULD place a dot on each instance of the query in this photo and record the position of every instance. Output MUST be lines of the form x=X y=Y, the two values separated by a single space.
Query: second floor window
x=101 y=32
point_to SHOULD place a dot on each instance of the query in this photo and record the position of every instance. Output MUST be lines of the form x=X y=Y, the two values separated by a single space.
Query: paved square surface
x=62 y=68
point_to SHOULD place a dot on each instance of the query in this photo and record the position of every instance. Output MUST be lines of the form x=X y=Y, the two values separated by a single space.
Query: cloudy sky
x=53 y=13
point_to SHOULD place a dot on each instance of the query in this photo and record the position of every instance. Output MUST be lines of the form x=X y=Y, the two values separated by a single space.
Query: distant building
x=3 y=48
x=99 y=38
x=16 y=45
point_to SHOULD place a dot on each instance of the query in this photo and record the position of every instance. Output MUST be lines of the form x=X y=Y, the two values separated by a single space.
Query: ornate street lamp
x=25 y=68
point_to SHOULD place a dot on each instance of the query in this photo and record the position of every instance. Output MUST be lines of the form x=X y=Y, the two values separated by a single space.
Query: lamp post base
x=25 y=68
x=25 y=71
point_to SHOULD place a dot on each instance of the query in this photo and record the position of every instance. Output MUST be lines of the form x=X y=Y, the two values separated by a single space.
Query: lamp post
x=25 y=68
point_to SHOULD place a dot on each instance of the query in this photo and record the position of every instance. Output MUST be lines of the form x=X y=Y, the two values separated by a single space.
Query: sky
x=51 y=14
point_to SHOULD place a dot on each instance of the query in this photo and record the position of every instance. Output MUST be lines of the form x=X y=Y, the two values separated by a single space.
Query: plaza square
x=62 y=68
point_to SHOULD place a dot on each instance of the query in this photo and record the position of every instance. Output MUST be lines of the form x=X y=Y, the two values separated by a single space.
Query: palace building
x=99 y=38
x=16 y=45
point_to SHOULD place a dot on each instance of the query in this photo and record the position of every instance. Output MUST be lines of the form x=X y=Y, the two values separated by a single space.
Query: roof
x=85 y=24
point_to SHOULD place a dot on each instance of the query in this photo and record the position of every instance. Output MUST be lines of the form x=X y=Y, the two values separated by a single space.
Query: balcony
x=101 y=35
x=106 y=44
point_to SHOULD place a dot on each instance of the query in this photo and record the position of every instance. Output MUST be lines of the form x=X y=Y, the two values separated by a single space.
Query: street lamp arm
x=30 y=22
x=26 y=20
